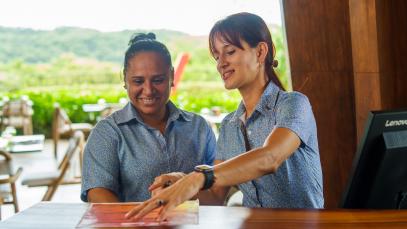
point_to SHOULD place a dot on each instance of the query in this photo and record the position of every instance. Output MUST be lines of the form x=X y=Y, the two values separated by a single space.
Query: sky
x=189 y=16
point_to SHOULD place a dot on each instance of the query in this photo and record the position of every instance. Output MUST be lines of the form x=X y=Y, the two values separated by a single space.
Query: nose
x=148 y=88
x=221 y=63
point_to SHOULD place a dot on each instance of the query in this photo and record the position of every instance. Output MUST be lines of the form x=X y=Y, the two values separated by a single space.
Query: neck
x=158 y=121
x=251 y=94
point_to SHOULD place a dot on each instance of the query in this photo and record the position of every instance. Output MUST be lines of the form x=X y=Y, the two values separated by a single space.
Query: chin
x=146 y=109
x=150 y=111
x=229 y=86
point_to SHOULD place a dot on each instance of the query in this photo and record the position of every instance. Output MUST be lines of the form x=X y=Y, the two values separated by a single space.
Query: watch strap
x=209 y=179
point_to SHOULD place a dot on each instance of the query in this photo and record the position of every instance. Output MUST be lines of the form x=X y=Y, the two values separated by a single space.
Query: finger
x=163 y=182
x=156 y=184
x=167 y=183
x=162 y=215
x=147 y=209
x=135 y=210
x=156 y=192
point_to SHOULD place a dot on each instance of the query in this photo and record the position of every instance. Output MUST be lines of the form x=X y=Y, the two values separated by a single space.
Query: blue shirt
x=297 y=183
x=124 y=155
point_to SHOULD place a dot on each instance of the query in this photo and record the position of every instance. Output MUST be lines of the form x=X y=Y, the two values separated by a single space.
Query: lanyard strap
x=246 y=139
x=248 y=148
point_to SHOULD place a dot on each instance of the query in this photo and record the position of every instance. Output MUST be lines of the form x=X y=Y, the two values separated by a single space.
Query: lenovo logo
x=395 y=123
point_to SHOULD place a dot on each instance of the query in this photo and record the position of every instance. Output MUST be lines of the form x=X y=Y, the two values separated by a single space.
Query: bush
x=191 y=96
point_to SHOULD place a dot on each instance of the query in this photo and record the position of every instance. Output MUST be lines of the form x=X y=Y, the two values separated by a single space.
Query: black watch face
x=203 y=168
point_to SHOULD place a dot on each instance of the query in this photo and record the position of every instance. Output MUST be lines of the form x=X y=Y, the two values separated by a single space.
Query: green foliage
x=75 y=66
x=82 y=56
x=281 y=57
x=190 y=96
x=69 y=98
x=65 y=70
x=194 y=96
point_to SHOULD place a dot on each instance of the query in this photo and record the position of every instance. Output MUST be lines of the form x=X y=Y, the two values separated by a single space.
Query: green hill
x=40 y=46
x=77 y=56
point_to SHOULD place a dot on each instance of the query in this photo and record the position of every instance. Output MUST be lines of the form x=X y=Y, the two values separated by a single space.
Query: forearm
x=243 y=168
x=279 y=145
x=101 y=195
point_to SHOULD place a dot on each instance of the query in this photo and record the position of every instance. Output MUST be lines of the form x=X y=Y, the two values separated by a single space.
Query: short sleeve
x=294 y=112
x=220 y=145
x=101 y=165
x=210 y=149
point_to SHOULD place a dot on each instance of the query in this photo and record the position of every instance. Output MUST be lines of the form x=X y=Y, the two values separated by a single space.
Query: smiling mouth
x=227 y=74
x=148 y=101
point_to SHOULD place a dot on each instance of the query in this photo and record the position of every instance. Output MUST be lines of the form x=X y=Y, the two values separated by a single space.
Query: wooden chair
x=53 y=179
x=109 y=109
x=63 y=127
x=1 y=203
x=9 y=176
x=18 y=113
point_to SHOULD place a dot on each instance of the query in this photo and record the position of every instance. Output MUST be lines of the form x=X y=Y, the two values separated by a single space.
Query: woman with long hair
x=268 y=146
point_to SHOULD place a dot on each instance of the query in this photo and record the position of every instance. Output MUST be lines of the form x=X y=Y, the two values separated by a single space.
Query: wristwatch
x=207 y=171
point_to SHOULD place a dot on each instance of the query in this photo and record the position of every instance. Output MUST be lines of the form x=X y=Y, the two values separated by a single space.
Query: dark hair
x=253 y=30
x=141 y=42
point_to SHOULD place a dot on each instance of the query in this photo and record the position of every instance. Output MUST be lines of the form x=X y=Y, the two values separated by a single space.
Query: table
x=23 y=143
x=100 y=108
x=67 y=215
x=94 y=107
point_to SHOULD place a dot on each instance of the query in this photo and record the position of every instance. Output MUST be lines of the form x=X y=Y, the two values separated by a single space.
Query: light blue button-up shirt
x=298 y=181
x=124 y=155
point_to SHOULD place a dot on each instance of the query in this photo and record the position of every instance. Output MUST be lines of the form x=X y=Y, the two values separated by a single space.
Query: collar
x=129 y=113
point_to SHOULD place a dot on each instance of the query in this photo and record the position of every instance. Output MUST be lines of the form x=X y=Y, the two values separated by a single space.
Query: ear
x=172 y=76
x=125 y=82
x=262 y=51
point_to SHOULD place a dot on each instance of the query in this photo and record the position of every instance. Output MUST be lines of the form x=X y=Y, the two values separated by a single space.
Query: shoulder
x=190 y=115
x=193 y=119
x=106 y=123
x=293 y=102
x=228 y=122
x=228 y=118
x=105 y=129
x=293 y=106
x=294 y=98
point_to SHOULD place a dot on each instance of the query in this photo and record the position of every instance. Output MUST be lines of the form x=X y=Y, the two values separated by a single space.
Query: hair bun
x=274 y=63
x=141 y=36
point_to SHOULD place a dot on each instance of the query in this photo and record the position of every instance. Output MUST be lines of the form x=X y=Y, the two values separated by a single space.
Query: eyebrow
x=225 y=45
x=156 y=75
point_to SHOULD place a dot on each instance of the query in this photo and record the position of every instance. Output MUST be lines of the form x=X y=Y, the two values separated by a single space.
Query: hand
x=164 y=181
x=169 y=198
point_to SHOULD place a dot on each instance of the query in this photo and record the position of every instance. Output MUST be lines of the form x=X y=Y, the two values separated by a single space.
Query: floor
x=34 y=162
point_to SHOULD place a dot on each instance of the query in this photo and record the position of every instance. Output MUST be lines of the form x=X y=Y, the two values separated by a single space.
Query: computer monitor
x=378 y=179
